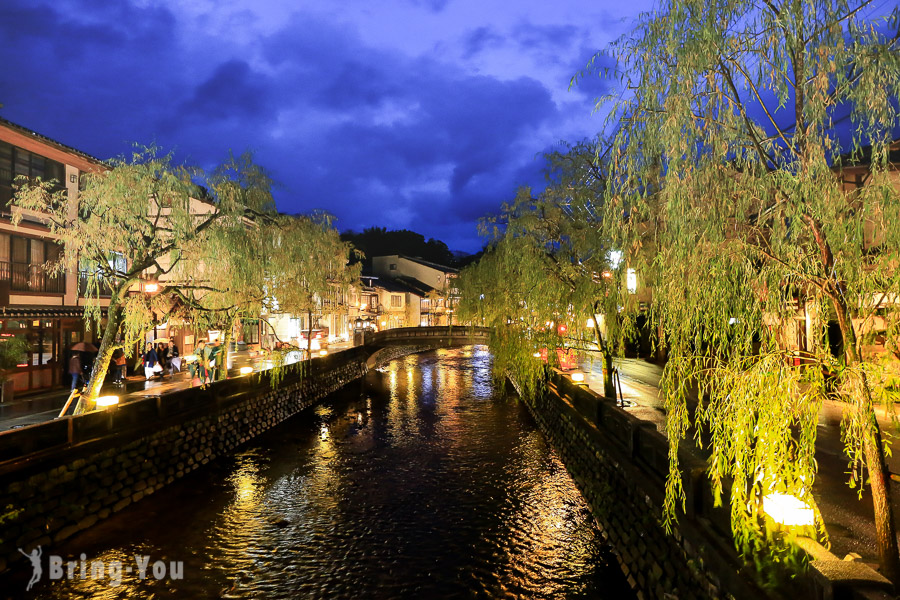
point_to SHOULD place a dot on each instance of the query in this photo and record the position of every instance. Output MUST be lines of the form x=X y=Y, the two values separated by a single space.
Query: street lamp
x=788 y=510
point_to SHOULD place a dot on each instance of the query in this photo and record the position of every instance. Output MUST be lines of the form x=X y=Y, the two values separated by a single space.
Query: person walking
x=162 y=351
x=175 y=359
x=202 y=364
x=75 y=368
x=151 y=361
x=121 y=367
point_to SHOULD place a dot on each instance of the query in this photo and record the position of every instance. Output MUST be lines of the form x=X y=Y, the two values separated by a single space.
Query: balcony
x=31 y=278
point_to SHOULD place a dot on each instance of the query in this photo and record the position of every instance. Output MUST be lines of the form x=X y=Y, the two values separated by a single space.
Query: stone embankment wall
x=64 y=476
x=620 y=465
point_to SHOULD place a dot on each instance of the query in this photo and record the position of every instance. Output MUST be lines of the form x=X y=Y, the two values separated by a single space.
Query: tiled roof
x=48 y=140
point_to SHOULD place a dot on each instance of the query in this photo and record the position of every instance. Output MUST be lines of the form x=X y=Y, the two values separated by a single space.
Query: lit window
x=631 y=281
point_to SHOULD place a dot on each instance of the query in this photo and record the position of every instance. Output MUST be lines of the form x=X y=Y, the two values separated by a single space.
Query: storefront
x=49 y=333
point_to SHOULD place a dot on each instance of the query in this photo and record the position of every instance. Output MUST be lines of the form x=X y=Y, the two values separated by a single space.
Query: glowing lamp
x=536 y=355
x=246 y=370
x=590 y=323
x=151 y=288
x=323 y=352
x=107 y=401
x=578 y=377
x=788 y=510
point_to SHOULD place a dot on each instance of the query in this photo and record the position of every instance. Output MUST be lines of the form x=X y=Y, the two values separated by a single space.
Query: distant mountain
x=378 y=241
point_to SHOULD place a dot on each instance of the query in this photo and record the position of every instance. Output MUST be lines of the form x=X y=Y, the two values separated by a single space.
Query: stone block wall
x=108 y=460
x=620 y=465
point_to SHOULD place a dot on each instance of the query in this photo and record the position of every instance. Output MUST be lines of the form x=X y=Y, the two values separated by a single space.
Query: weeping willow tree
x=736 y=125
x=224 y=278
x=546 y=267
x=134 y=222
x=309 y=267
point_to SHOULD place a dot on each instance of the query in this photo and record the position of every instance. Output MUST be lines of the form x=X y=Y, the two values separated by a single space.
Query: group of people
x=161 y=359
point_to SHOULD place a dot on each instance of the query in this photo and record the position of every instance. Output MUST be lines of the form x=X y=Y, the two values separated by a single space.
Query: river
x=424 y=481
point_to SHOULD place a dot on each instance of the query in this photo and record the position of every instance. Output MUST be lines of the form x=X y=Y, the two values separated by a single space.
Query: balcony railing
x=31 y=278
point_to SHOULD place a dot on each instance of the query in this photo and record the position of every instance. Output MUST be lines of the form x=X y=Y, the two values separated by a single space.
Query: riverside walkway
x=848 y=518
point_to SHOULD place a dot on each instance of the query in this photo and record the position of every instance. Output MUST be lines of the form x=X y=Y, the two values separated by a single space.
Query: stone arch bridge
x=384 y=346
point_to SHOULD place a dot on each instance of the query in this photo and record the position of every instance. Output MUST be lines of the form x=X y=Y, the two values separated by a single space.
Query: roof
x=398 y=286
x=414 y=284
x=863 y=157
x=426 y=263
x=50 y=141
x=42 y=311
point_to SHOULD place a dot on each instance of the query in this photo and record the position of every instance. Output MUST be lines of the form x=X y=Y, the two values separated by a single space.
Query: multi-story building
x=45 y=310
x=433 y=285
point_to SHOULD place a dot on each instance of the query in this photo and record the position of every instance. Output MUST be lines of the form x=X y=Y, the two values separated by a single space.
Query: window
x=396 y=301
x=393 y=266
x=250 y=331
x=22 y=263
x=15 y=161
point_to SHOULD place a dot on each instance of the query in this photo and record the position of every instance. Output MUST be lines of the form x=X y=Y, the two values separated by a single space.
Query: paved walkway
x=848 y=518
x=43 y=407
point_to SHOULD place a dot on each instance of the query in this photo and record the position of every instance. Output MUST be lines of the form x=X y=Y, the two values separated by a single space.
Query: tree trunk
x=873 y=446
x=226 y=343
x=104 y=355
x=609 y=388
x=309 y=336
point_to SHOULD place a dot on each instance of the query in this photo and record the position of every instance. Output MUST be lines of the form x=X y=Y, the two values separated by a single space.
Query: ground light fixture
x=788 y=510
x=107 y=401
x=577 y=377
x=323 y=352
x=246 y=370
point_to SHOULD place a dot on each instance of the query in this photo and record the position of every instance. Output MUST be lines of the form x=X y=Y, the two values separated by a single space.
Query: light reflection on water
x=428 y=483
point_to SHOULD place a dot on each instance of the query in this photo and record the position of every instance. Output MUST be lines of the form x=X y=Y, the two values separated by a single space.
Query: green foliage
x=548 y=255
x=309 y=265
x=146 y=218
x=12 y=352
x=725 y=193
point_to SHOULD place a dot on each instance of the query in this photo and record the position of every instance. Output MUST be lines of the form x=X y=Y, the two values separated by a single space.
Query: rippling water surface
x=425 y=482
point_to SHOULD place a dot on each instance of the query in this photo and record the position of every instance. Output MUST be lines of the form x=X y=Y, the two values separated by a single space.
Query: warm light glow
x=788 y=510
x=246 y=370
x=631 y=281
x=578 y=377
x=214 y=334
x=536 y=355
x=323 y=352
x=151 y=288
x=107 y=401
x=590 y=323
x=606 y=274
x=383 y=323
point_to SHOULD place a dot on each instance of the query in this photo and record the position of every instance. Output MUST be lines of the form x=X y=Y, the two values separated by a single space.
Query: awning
x=43 y=312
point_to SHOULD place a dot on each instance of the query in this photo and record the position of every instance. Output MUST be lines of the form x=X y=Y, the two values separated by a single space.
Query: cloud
x=480 y=39
x=373 y=135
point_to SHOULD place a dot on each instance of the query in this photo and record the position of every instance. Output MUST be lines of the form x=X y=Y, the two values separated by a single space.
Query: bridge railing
x=418 y=333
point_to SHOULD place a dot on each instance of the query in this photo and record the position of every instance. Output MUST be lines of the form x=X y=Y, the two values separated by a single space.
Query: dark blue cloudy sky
x=420 y=114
